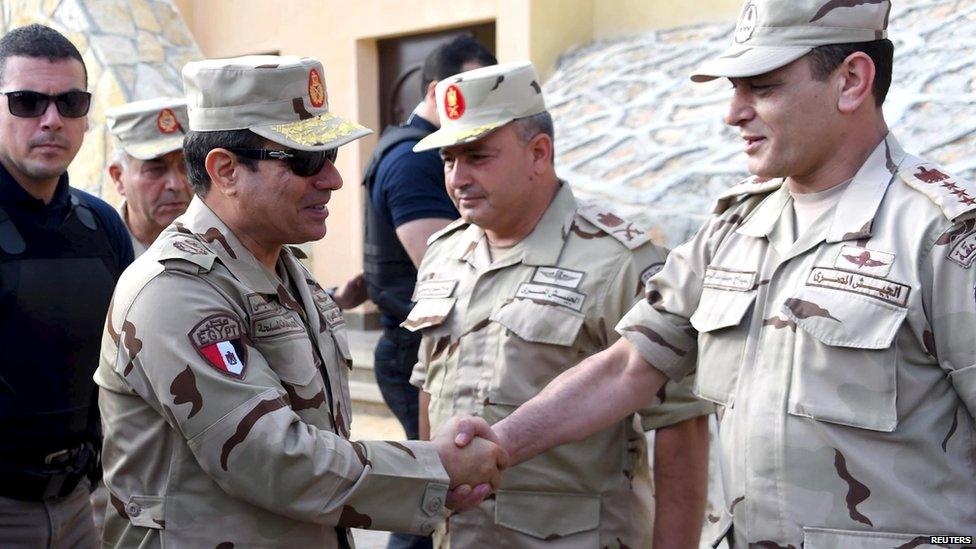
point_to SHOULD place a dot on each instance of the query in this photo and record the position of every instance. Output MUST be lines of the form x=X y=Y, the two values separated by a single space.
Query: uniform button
x=133 y=509
x=434 y=504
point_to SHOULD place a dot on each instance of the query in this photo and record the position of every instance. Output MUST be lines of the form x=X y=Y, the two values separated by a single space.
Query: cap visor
x=319 y=133
x=743 y=62
x=155 y=149
x=456 y=135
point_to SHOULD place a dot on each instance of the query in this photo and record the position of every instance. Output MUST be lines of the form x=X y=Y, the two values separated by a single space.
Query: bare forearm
x=681 y=482
x=594 y=394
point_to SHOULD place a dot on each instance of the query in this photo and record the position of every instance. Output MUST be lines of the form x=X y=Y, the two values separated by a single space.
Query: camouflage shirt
x=225 y=402
x=843 y=361
x=498 y=330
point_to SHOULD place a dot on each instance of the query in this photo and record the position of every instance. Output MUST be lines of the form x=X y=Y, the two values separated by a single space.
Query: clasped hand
x=473 y=458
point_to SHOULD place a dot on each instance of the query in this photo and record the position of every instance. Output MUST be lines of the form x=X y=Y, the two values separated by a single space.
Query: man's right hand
x=478 y=462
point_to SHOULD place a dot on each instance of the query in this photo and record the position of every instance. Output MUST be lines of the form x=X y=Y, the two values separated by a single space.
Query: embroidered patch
x=328 y=309
x=963 y=251
x=550 y=294
x=888 y=291
x=219 y=339
x=316 y=91
x=191 y=247
x=453 y=102
x=558 y=277
x=167 y=123
x=269 y=320
x=863 y=260
x=652 y=270
x=747 y=23
x=728 y=279
x=434 y=289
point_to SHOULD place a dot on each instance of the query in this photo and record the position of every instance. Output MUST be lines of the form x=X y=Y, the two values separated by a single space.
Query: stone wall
x=633 y=130
x=133 y=49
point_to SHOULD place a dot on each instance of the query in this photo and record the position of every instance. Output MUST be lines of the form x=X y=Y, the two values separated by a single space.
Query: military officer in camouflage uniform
x=147 y=166
x=829 y=300
x=224 y=364
x=512 y=294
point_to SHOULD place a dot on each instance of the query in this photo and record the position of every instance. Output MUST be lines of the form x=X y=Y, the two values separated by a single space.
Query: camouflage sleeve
x=674 y=402
x=949 y=294
x=241 y=426
x=657 y=325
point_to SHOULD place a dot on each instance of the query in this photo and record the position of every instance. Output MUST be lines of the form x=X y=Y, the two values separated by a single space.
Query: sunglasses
x=31 y=104
x=301 y=163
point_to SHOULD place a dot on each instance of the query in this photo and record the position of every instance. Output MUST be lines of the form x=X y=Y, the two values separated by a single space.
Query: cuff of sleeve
x=418 y=376
x=665 y=346
x=413 y=471
x=674 y=403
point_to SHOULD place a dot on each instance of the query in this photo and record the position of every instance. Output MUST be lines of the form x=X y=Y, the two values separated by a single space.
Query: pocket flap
x=547 y=515
x=429 y=312
x=146 y=511
x=844 y=319
x=828 y=538
x=719 y=309
x=540 y=323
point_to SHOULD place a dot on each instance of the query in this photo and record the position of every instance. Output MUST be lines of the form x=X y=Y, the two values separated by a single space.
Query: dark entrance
x=401 y=60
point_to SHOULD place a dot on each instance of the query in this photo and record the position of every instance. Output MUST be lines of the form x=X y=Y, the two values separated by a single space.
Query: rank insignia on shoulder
x=954 y=195
x=219 y=339
x=628 y=233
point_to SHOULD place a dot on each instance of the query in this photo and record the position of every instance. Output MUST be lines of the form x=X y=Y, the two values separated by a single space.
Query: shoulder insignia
x=629 y=234
x=455 y=225
x=188 y=249
x=955 y=196
x=750 y=186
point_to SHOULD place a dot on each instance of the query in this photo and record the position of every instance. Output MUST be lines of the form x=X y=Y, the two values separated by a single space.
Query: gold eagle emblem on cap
x=316 y=91
x=166 y=122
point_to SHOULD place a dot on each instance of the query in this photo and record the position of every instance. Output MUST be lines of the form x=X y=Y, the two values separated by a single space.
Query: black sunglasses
x=31 y=104
x=301 y=163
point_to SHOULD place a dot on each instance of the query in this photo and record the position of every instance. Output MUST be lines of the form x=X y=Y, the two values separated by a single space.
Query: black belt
x=54 y=475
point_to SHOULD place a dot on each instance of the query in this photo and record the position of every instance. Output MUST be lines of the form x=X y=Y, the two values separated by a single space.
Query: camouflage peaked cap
x=281 y=98
x=151 y=128
x=773 y=33
x=474 y=103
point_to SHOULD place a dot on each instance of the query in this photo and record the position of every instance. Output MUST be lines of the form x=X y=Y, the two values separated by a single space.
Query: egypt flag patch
x=220 y=340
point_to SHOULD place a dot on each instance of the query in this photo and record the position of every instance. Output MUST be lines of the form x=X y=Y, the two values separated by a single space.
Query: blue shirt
x=409 y=185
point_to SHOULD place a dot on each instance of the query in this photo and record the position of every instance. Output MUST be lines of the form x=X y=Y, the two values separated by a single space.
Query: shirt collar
x=202 y=221
x=11 y=192
x=855 y=210
x=538 y=248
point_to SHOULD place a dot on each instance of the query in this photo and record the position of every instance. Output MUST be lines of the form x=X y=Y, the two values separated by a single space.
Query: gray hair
x=530 y=126
x=120 y=157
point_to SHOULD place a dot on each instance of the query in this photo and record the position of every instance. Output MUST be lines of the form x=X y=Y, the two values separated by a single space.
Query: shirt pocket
x=565 y=519
x=722 y=322
x=430 y=316
x=845 y=358
x=543 y=347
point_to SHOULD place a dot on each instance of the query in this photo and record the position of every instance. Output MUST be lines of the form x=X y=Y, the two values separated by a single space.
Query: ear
x=541 y=150
x=115 y=172
x=222 y=167
x=855 y=78
x=431 y=97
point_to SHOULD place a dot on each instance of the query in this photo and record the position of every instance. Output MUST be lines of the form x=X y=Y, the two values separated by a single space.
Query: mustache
x=49 y=139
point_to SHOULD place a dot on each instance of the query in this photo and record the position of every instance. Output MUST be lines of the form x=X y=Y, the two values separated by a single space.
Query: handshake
x=474 y=459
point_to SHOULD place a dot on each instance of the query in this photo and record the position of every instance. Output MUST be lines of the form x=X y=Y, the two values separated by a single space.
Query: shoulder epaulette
x=750 y=186
x=955 y=196
x=455 y=225
x=629 y=233
x=186 y=248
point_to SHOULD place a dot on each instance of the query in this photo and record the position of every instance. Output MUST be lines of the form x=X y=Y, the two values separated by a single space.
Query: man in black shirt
x=61 y=252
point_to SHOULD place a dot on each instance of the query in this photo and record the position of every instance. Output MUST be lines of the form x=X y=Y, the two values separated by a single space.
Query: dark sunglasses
x=31 y=104
x=301 y=163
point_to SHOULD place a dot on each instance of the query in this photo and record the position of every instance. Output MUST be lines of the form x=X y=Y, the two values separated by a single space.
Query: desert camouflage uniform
x=843 y=362
x=226 y=407
x=497 y=332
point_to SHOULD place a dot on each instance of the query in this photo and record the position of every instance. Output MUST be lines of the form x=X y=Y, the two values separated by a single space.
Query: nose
x=176 y=181
x=740 y=110
x=51 y=118
x=328 y=178
x=456 y=175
